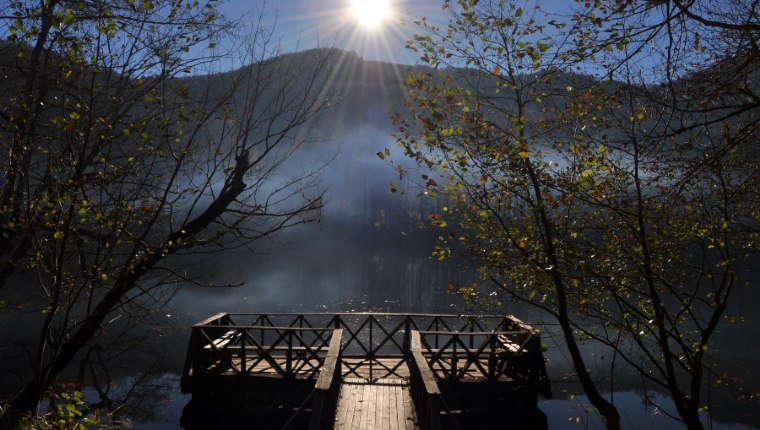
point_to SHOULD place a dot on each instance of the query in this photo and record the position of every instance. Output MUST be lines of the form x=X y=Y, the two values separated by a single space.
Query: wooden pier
x=364 y=371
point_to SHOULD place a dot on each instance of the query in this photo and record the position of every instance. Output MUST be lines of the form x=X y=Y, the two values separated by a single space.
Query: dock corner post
x=492 y=358
x=192 y=363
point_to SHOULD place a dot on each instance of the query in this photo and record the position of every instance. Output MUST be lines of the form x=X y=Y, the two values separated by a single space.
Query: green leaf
x=68 y=17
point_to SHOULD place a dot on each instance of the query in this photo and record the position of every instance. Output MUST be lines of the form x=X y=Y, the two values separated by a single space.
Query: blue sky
x=304 y=24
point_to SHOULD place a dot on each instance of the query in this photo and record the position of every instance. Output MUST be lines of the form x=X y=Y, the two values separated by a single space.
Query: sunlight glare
x=370 y=13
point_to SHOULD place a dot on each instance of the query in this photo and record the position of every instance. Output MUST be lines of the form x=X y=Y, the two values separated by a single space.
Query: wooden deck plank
x=384 y=405
x=392 y=412
x=371 y=419
x=342 y=416
x=411 y=417
x=377 y=413
x=351 y=420
x=364 y=409
x=400 y=409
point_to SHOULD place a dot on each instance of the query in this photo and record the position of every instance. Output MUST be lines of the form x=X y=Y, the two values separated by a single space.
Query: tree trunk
x=30 y=396
x=605 y=408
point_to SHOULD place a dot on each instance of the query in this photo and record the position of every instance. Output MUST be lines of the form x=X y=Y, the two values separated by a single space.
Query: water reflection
x=562 y=414
x=635 y=410
x=268 y=404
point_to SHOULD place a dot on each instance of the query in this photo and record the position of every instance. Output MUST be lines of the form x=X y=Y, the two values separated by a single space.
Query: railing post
x=192 y=363
x=243 y=365
x=407 y=338
x=472 y=337
x=371 y=350
x=453 y=374
x=437 y=329
x=371 y=346
x=492 y=356
x=289 y=355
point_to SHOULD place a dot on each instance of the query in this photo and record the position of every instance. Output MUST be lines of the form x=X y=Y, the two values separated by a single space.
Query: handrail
x=515 y=354
x=428 y=379
x=412 y=314
x=220 y=345
x=327 y=389
x=323 y=399
x=426 y=396
x=456 y=345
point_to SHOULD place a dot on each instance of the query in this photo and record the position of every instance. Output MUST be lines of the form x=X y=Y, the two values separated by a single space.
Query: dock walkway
x=384 y=405
x=367 y=371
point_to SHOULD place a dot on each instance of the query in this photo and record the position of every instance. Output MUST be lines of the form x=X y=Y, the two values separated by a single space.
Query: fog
x=370 y=249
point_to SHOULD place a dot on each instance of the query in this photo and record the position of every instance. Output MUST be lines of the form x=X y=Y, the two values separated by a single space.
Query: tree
x=595 y=167
x=116 y=166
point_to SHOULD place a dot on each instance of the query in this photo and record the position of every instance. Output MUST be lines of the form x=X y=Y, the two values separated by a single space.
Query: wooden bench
x=505 y=346
x=222 y=341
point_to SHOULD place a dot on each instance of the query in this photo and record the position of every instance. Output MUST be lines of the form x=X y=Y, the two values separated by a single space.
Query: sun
x=370 y=13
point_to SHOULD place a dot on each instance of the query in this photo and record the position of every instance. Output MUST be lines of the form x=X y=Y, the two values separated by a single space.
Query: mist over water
x=369 y=251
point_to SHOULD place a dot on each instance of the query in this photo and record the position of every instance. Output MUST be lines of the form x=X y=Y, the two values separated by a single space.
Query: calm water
x=569 y=409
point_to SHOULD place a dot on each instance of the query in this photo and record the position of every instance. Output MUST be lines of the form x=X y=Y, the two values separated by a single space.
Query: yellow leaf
x=524 y=154
x=75 y=115
x=58 y=235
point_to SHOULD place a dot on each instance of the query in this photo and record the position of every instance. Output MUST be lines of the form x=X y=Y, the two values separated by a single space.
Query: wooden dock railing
x=424 y=349
x=426 y=396
x=327 y=389
x=218 y=347
x=323 y=400
x=510 y=354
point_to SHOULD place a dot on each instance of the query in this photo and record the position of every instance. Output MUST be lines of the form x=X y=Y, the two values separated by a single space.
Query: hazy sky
x=303 y=24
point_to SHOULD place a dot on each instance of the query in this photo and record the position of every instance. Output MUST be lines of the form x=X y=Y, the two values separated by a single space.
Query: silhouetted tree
x=114 y=166
x=596 y=165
